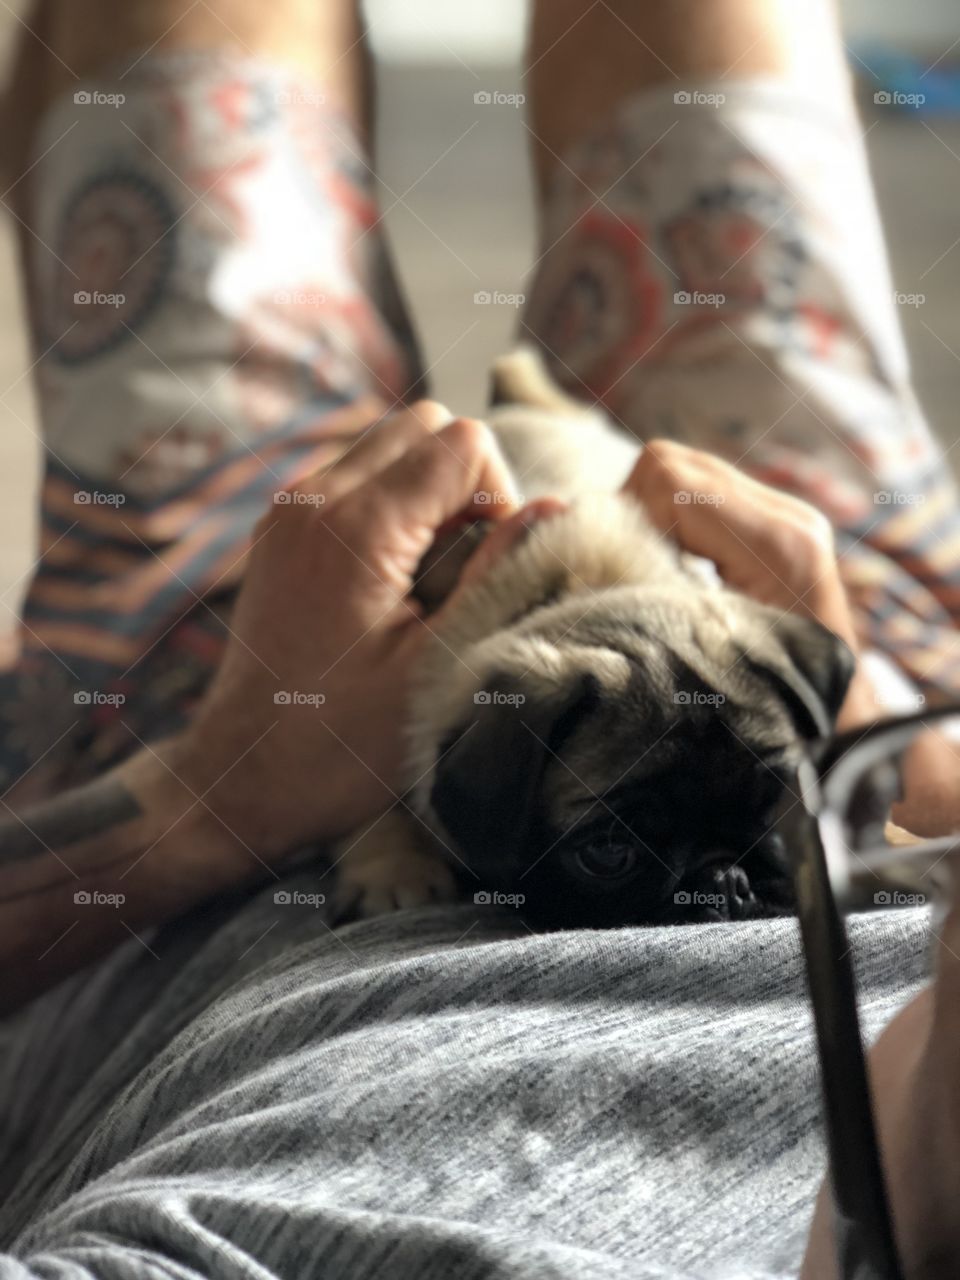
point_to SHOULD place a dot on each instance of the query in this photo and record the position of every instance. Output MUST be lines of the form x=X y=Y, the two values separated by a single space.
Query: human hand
x=771 y=546
x=915 y=1088
x=780 y=551
x=300 y=735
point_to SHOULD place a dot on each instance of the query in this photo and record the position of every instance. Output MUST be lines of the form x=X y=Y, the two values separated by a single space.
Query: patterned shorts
x=214 y=314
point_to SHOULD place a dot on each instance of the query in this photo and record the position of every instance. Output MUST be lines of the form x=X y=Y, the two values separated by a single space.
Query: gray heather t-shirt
x=436 y=1094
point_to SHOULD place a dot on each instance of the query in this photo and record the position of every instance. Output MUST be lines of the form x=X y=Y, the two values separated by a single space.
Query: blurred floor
x=458 y=202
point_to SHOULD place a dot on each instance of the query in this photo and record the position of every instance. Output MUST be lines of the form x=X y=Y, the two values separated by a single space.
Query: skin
x=178 y=823
x=221 y=805
x=780 y=551
x=583 y=59
x=252 y=779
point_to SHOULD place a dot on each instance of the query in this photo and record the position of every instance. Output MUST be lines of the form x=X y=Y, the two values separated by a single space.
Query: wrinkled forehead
x=671 y=649
x=694 y=752
x=666 y=629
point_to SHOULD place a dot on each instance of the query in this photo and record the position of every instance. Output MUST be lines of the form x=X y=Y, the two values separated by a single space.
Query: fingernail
x=436 y=416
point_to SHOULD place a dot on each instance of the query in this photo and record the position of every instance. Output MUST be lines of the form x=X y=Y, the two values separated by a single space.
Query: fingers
x=375 y=525
x=380 y=445
x=669 y=476
x=757 y=536
x=459 y=470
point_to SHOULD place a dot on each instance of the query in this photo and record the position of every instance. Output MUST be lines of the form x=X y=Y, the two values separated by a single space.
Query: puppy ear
x=521 y=377
x=486 y=790
x=817 y=675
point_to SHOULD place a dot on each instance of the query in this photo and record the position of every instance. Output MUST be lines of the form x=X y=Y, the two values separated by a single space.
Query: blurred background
x=458 y=204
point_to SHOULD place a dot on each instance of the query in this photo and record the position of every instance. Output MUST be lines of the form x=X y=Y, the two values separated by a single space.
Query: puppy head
x=596 y=728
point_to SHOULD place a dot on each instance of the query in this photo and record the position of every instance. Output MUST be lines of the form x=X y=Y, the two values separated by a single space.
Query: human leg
x=712 y=269
x=214 y=312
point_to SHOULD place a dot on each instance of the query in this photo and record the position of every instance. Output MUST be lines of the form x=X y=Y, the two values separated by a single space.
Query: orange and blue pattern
x=215 y=315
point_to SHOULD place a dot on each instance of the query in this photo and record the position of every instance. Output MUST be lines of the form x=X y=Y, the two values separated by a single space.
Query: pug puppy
x=599 y=728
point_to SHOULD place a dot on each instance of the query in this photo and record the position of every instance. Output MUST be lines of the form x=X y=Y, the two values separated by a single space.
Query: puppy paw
x=389 y=869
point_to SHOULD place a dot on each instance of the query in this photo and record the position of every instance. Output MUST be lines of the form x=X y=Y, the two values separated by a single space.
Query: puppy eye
x=609 y=862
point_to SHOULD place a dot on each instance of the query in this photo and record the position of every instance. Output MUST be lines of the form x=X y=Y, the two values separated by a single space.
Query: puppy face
x=599 y=731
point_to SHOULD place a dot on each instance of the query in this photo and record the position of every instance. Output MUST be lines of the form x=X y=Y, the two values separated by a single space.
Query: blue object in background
x=911 y=84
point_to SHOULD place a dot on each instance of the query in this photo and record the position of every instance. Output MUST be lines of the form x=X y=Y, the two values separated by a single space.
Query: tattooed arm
x=99 y=864
x=298 y=738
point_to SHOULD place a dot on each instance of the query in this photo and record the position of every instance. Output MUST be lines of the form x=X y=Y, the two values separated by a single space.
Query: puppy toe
x=430 y=882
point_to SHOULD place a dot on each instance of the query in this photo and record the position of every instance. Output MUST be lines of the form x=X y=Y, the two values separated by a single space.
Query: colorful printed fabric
x=713 y=271
x=215 y=315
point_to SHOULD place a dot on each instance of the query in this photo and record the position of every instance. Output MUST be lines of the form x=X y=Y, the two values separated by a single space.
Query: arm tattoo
x=56 y=825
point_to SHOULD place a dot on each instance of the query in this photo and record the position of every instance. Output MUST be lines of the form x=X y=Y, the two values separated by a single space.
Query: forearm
x=84 y=872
